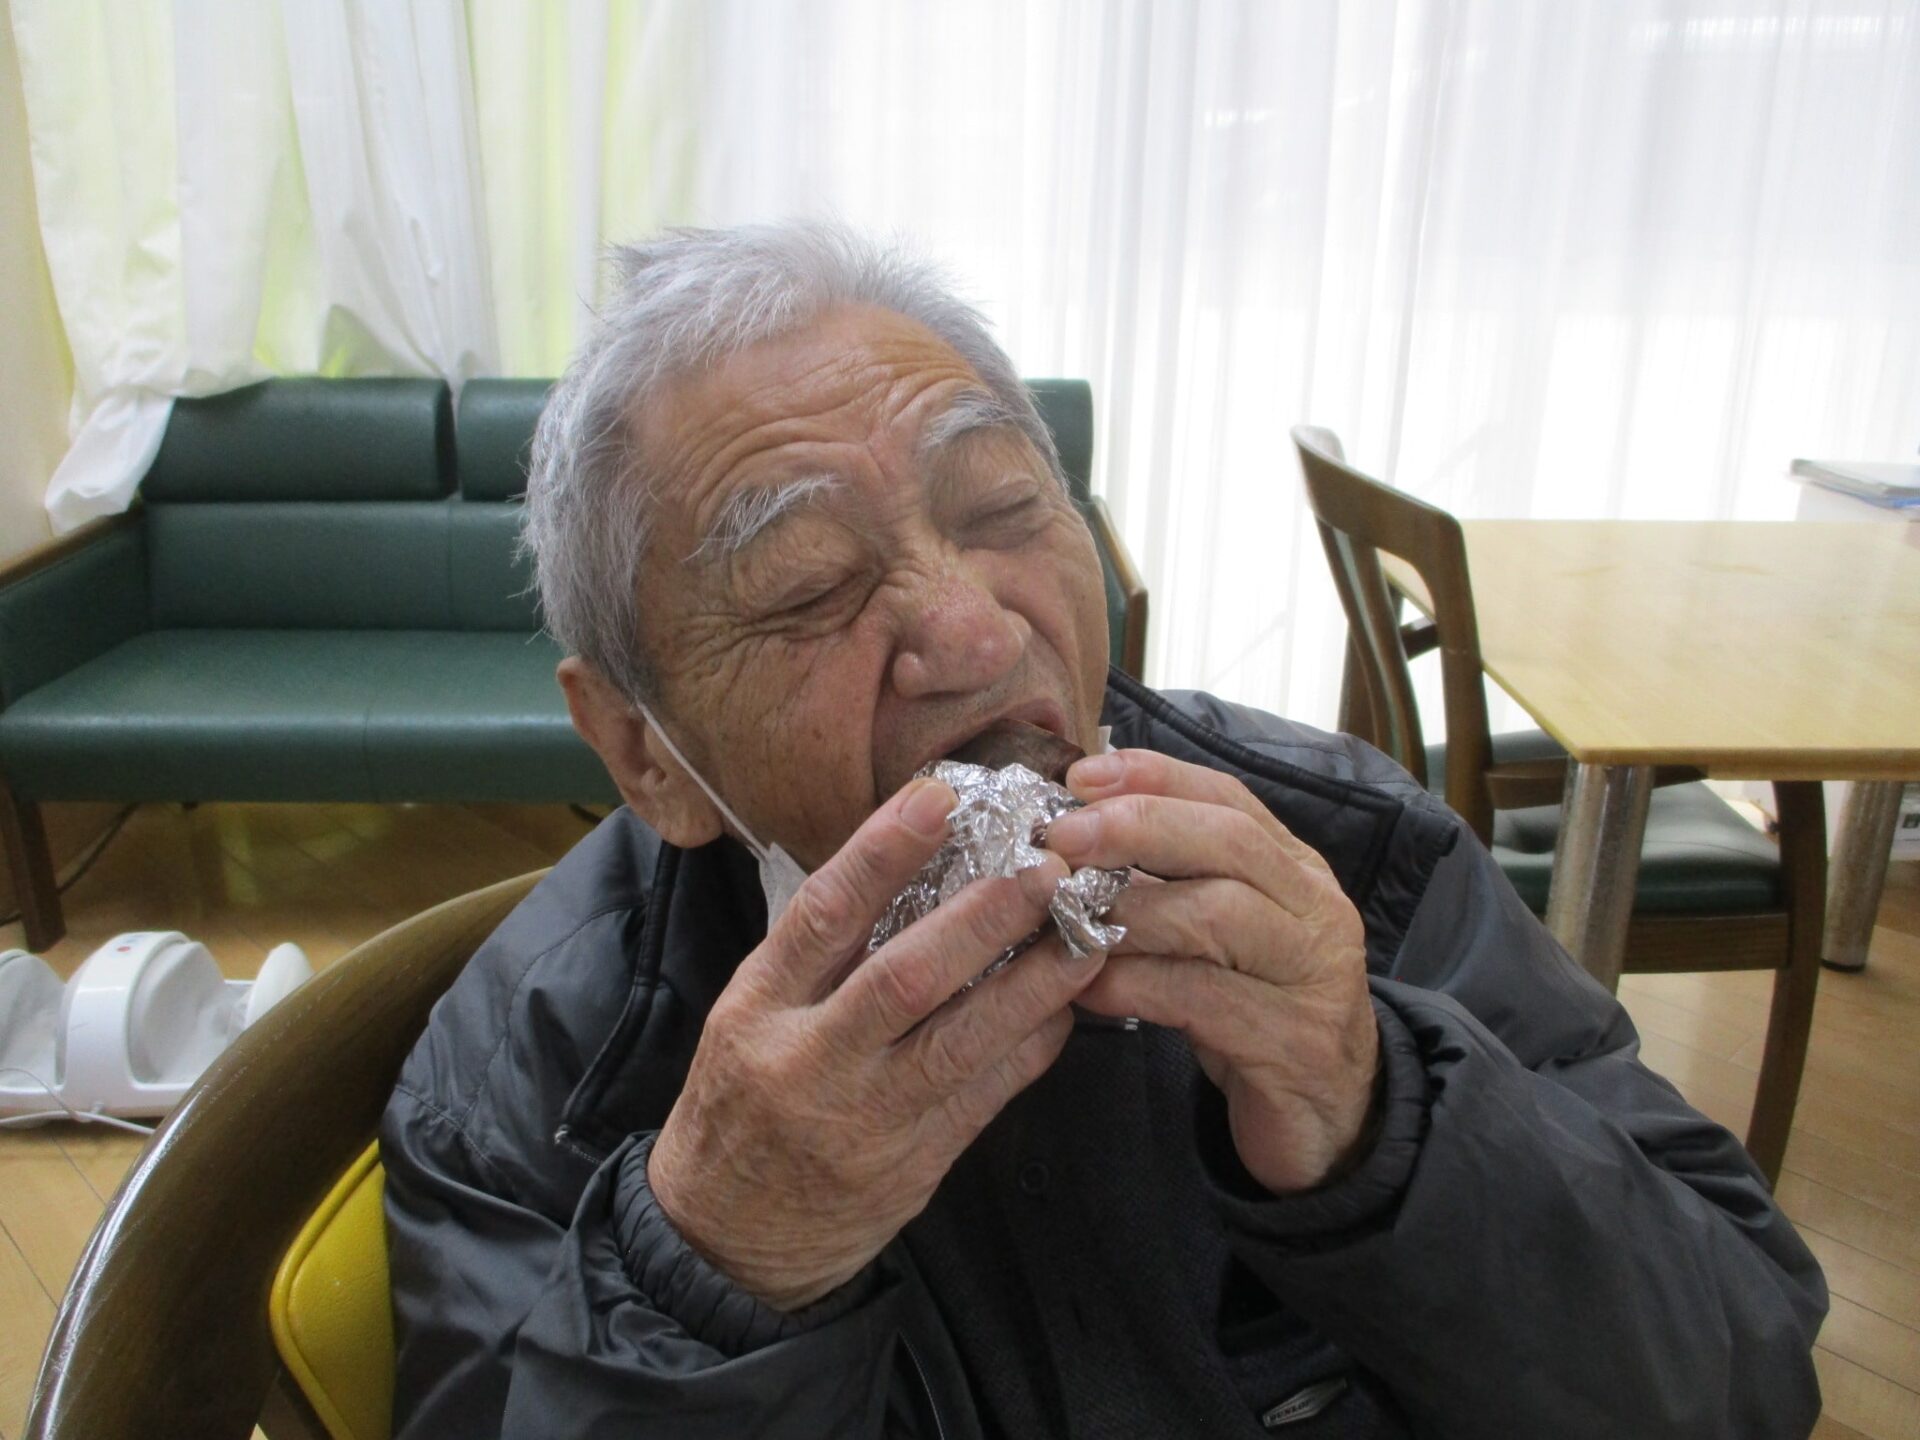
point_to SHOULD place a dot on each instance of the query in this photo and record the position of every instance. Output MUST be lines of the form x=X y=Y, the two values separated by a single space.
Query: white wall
x=36 y=372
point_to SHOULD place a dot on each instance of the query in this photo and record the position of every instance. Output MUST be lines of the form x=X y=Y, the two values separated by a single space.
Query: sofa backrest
x=495 y=431
x=497 y=418
x=325 y=504
x=365 y=504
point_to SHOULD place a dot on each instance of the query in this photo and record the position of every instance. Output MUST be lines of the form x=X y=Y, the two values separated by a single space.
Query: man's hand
x=832 y=1090
x=1250 y=948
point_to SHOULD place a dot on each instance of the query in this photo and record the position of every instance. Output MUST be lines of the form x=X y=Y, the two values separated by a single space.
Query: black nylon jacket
x=1544 y=1240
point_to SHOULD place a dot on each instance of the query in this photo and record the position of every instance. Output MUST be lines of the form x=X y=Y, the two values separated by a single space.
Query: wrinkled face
x=922 y=574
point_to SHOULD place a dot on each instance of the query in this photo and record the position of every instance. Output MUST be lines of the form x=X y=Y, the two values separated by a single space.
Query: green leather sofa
x=315 y=599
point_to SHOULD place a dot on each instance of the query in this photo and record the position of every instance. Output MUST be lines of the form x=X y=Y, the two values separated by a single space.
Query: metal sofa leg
x=31 y=865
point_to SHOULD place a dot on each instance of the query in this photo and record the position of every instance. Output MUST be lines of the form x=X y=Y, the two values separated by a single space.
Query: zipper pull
x=1305 y=1404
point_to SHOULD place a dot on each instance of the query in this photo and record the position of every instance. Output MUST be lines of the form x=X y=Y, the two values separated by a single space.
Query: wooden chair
x=1712 y=893
x=164 y=1333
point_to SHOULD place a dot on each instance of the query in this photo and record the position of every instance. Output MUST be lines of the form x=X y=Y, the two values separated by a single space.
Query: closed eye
x=1010 y=520
x=816 y=599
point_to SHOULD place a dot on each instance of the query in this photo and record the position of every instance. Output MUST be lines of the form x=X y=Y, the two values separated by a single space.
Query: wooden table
x=1754 y=651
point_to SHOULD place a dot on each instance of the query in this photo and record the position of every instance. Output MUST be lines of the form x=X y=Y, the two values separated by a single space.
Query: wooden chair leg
x=30 y=862
x=1803 y=867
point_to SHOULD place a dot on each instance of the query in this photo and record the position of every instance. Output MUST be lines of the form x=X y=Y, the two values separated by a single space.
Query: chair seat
x=305 y=715
x=1700 y=856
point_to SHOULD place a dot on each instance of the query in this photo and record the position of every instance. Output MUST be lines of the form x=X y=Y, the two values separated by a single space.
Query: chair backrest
x=164 y=1330
x=1360 y=519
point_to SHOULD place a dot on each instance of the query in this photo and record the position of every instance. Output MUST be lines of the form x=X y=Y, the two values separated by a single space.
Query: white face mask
x=780 y=873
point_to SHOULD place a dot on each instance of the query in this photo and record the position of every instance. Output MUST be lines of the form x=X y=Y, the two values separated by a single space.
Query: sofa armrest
x=1126 y=591
x=65 y=602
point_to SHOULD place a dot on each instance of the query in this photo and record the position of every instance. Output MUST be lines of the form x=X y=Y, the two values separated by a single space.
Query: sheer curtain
x=230 y=190
x=1565 y=259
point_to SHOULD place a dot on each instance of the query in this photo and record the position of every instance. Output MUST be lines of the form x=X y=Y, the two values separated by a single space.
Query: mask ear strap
x=746 y=835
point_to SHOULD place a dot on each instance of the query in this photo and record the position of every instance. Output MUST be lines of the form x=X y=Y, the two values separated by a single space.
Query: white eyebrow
x=748 y=512
x=751 y=511
x=971 y=409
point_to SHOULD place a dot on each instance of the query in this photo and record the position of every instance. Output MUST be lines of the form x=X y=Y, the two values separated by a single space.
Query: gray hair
x=681 y=303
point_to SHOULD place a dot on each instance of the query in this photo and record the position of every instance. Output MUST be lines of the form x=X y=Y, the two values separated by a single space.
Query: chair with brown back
x=164 y=1331
x=1712 y=893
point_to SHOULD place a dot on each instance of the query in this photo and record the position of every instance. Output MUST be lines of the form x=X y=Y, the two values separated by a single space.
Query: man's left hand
x=1249 y=947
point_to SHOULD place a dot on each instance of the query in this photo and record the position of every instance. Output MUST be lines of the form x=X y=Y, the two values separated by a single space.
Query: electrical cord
x=84 y=1117
x=86 y=861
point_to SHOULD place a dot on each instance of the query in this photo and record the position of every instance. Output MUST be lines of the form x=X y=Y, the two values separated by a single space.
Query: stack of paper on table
x=1895 y=486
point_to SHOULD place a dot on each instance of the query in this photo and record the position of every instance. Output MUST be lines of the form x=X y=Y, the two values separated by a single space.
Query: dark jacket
x=1544 y=1240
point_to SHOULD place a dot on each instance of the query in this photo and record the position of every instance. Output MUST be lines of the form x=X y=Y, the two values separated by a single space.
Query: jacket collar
x=1382 y=848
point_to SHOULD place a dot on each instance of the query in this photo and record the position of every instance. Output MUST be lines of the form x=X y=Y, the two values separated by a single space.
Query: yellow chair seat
x=331 y=1307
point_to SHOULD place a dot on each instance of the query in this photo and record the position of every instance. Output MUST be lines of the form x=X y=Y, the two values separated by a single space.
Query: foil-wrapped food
x=1009 y=783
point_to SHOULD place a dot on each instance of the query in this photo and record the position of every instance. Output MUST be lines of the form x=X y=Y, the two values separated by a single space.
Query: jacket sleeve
x=1545 y=1239
x=510 y=1324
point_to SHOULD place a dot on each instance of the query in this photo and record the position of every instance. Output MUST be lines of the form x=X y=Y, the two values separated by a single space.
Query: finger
x=1212 y=1006
x=1221 y=921
x=834 y=912
x=1147 y=772
x=1300 y=1035
x=973 y=1108
x=1181 y=839
x=918 y=971
x=1300 y=1059
x=965 y=1039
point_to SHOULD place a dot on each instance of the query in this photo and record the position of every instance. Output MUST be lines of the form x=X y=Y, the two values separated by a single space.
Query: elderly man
x=678 y=1157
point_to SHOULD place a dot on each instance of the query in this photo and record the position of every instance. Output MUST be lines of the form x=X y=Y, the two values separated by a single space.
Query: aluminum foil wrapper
x=996 y=830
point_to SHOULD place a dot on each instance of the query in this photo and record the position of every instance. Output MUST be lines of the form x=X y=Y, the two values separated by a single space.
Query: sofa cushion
x=480 y=718
x=309 y=439
x=495 y=430
x=491 y=589
x=304 y=715
x=300 y=565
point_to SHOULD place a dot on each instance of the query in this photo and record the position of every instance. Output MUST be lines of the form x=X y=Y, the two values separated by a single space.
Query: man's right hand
x=832 y=1090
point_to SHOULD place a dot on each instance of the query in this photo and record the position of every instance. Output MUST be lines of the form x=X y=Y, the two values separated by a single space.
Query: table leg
x=1596 y=862
x=1858 y=870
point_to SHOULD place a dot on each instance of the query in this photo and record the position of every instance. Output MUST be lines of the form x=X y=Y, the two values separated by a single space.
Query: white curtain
x=230 y=190
x=1528 y=258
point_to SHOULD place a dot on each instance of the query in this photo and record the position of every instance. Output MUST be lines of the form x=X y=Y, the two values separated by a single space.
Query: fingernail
x=927 y=808
x=1074 y=833
x=1096 y=772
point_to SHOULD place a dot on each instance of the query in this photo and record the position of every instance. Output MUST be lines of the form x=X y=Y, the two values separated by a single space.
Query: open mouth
x=1030 y=732
x=1009 y=742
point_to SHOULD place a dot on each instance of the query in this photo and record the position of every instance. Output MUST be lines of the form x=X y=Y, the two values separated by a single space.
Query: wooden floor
x=245 y=877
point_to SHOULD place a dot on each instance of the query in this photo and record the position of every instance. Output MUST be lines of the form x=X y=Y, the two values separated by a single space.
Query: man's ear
x=649 y=779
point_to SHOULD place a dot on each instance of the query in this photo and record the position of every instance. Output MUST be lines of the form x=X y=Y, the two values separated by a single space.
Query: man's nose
x=960 y=639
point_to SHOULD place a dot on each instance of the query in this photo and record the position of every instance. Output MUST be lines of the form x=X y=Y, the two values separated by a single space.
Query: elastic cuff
x=1359 y=1199
x=680 y=1282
